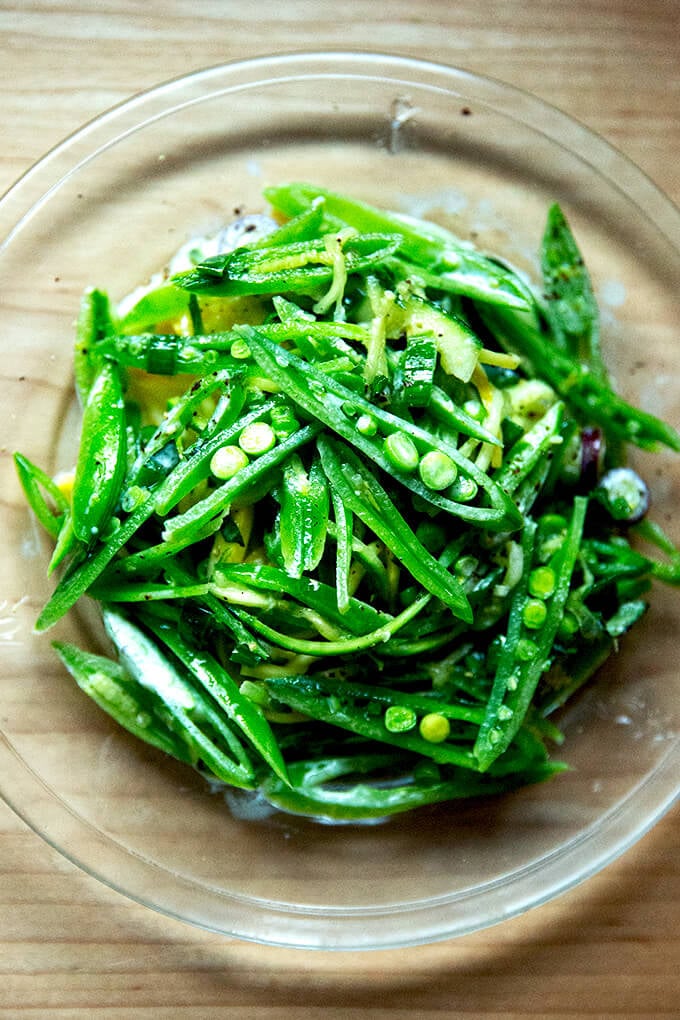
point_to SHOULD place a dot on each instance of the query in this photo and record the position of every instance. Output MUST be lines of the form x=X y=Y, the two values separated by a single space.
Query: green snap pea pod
x=591 y=399
x=147 y=561
x=570 y=306
x=344 y=534
x=314 y=792
x=302 y=267
x=364 y=709
x=207 y=671
x=530 y=450
x=102 y=462
x=307 y=226
x=335 y=704
x=181 y=528
x=516 y=678
x=342 y=646
x=173 y=353
x=460 y=266
x=304 y=515
x=107 y=590
x=95 y=322
x=185 y=704
x=532 y=487
x=133 y=706
x=67 y=546
x=359 y=617
x=328 y=687
x=151 y=559
x=37 y=485
x=364 y=496
x=505 y=680
x=324 y=398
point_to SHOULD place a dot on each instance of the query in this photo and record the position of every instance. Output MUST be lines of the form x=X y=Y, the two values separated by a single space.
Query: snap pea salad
x=353 y=498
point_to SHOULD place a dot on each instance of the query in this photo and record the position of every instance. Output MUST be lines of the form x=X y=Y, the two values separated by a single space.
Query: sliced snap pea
x=570 y=306
x=530 y=449
x=516 y=678
x=344 y=534
x=304 y=516
x=358 y=618
x=426 y=246
x=38 y=485
x=94 y=324
x=364 y=496
x=225 y=692
x=300 y=267
x=186 y=706
x=313 y=697
x=132 y=705
x=102 y=462
x=314 y=793
x=195 y=466
x=301 y=381
x=164 y=303
x=76 y=582
x=182 y=528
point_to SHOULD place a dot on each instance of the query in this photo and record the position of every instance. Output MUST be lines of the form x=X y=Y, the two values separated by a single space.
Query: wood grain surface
x=71 y=948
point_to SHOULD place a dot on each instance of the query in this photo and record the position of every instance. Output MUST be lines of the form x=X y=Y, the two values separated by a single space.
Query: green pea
x=366 y=425
x=399 y=718
x=401 y=451
x=464 y=489
x=542 y=582
x=434 y=728
x=227 y=461
x=548 y=524
x=240 y=350
x=284 y=422
x=257 y=438
x=534 y=614
x=526 y=649
x=437 y=470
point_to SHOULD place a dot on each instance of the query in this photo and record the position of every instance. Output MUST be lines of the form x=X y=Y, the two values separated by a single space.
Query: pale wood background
x=70 y=948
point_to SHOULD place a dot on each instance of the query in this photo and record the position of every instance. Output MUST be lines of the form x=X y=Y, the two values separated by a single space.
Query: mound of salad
x=352 y=496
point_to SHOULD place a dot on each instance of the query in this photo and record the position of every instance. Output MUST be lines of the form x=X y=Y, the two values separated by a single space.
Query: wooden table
x=70 y=948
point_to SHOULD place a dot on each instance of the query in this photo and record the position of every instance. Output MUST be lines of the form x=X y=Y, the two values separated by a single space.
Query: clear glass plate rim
x=562 y=129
